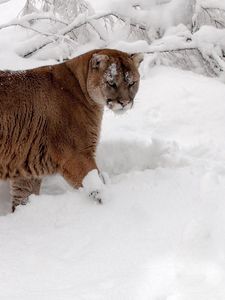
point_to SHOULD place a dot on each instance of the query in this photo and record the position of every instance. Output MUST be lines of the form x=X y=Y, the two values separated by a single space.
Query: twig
x=162 y=49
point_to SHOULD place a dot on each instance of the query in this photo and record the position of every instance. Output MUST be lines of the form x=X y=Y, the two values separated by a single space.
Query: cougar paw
x=18 y=202
x=93 y=185
x=96 y=196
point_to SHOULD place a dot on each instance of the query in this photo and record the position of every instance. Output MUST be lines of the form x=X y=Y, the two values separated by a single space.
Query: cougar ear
x=98 y=60
x=137 y=58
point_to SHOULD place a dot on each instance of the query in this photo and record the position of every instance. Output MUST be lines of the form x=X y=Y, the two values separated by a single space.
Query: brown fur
x=49 y=122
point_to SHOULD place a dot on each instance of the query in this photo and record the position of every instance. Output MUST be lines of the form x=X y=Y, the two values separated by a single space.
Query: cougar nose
x=123 y=103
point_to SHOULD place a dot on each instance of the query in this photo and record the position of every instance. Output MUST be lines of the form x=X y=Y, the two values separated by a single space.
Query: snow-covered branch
x=80 y=21
x=26 y=20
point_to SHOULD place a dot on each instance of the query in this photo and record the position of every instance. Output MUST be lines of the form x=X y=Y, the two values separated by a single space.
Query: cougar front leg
x=22 y=188
x=83 y=172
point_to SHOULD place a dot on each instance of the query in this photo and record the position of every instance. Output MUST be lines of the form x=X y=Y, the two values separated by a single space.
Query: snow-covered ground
x=160 y=234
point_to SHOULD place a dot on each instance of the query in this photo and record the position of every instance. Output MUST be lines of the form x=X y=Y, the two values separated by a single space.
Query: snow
x=159 y=234
x=11 y=8
x=111 y=73
x=210 y=36
x=93 y=186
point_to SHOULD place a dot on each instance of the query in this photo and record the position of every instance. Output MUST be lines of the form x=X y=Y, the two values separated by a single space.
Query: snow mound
x=120 y=156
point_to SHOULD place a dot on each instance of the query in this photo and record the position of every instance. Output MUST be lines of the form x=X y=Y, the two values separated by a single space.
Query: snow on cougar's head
x=113 y=78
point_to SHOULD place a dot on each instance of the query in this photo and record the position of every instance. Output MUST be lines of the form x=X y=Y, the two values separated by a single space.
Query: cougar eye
x=112 y=84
